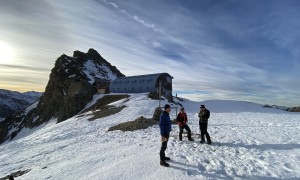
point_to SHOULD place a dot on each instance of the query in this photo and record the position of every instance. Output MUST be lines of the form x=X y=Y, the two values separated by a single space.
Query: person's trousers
x=163 y=148
x=203 y=129
x=186 y=127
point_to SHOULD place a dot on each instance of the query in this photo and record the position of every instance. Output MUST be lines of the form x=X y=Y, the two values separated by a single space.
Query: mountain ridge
x=69 y=89
x=12 y=102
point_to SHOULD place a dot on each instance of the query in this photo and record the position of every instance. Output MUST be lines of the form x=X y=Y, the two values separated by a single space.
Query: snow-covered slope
x=246 y=145
x=220 y=106
x=12 y=101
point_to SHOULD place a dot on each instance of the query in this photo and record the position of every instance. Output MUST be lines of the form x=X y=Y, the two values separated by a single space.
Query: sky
x=246 y=50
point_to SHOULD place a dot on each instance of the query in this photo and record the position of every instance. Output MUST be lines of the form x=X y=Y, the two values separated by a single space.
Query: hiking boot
x=163 y=163
x=167 y=158
x=209 y=142
x=191 y=139
x=202 y=142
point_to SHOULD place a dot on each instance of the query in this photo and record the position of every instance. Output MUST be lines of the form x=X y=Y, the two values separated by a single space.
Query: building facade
x=144 y=83
x=102 y=86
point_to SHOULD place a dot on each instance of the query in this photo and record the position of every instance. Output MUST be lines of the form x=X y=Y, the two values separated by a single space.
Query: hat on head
x=167 y=106
x=202 y=106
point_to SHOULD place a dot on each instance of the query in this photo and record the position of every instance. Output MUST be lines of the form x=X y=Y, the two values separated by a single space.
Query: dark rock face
x=294 y=109
x=290 y=109
x=138 y=124
x=157 y=113
x=69 y=89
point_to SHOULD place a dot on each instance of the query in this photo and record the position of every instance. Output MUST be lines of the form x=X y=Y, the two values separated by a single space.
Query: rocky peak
x=69 y=89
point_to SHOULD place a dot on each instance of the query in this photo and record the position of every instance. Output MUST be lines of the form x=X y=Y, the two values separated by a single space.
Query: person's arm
x=206 y=114
x=164 y=124
x=186 y=118
x=180 y=117
x=201 y=113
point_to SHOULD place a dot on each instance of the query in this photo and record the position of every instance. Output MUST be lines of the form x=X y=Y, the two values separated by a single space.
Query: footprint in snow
x=201 y=167
x=207 y=161
x=192 y=172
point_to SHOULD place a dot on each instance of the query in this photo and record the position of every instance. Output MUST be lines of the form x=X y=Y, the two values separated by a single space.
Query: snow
x=27 y=131
x=72 y=76
x=30 y=108
x=110 y=75
x=93 y=101
x=91 y=70
x=249 y=142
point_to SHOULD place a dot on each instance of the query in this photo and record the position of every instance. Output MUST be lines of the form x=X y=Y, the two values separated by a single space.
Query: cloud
x=156 y=44
x=212 y=49
x=19 y=67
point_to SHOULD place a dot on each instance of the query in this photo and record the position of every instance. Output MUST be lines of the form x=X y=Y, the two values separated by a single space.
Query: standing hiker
x=203 y=121
x=165 y=129
x=182 y=120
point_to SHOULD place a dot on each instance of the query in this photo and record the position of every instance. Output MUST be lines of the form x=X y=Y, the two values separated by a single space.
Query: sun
x=6 y=53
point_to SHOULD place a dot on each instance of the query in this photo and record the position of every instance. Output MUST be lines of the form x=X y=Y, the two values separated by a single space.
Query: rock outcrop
x=70 y=88
x=294 y=109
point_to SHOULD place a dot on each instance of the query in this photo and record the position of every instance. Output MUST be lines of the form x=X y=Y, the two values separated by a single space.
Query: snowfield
x=249 y=142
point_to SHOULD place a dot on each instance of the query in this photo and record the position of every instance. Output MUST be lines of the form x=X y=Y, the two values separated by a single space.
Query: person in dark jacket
x=182 y=120
x=165 y=129
x=203 y=121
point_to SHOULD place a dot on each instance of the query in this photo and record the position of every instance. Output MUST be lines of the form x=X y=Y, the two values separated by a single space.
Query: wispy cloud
x=19 y=67
x=213 y=50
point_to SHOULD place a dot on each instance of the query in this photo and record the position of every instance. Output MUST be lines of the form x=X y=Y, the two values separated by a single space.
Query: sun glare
x=6 y=53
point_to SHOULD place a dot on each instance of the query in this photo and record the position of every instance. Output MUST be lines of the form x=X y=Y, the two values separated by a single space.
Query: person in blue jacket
x=165 y=129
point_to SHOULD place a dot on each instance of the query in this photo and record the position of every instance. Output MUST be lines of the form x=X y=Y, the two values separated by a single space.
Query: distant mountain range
x=12 y=102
